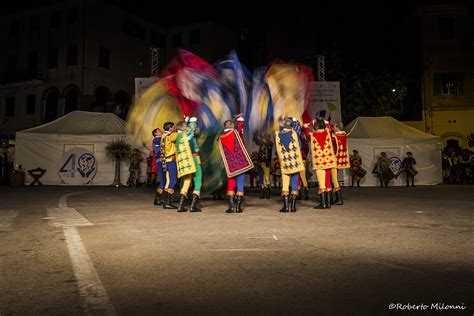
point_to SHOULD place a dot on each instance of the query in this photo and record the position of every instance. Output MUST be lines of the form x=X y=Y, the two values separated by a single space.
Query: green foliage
x=118 y=149
x=363 y=92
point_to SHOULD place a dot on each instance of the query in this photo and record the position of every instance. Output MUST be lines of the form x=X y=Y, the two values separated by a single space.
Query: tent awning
x=383 y=127
x=82 y=123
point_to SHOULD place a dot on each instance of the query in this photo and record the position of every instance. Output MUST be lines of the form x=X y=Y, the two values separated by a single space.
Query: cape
x=184 y=156
x=289 y=152
x=342 y=152
x=234 y=154
x=322 y=151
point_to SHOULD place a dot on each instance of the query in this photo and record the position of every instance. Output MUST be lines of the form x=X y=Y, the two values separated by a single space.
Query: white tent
x=372 y=135
x=45 y=145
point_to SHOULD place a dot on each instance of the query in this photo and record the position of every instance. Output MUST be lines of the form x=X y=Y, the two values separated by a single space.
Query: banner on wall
x=327 y=97
x=77 y=166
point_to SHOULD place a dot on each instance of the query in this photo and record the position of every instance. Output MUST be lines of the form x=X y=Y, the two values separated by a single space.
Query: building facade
x=200 y=38
x=446 y=39
x=73 y=55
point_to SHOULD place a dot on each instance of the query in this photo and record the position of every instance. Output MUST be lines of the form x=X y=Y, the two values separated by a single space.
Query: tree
x=364 y=92
x=117 y=150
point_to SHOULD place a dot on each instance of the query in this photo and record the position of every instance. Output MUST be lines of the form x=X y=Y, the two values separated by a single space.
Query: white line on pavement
x=92 y=291
x=7 y=217
x=96 y=300
x=275 y=237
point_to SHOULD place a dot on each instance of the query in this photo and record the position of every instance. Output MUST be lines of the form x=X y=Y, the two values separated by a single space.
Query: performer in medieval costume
x=264 y=141
x=276 y=172
x=288 y=148
x=408 y=166
x=323 y=159
x=134 y=168
x=382 y=169
x=160 y=165
x=304 y=174
x=357 y=172
x=342 y=160
x=254 y=174
x=188 y=163
x=236 y=161
x=168 y=155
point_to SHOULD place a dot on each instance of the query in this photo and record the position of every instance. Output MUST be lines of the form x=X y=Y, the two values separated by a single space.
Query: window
x=104 y=57
x=195 y=37
x=53 y=58
x=73 y=16
x=177 y=40
x=32 y=63
x=10 y=107
x=54 y=20
x=446 y=28
x=35 y=23
x=448 y=84
x=13 y=29
x=72 y=55
x=31 y=104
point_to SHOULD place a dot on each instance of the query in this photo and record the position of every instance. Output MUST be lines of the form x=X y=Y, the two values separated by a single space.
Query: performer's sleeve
x=306 y=131
x=172 y=137
x=297 y=127
x=240 y=126
x=414 y=161
x=156 y=147
x=336 y=148
x=190 y=132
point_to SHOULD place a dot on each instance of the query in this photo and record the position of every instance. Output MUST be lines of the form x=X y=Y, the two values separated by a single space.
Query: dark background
x=359 y=38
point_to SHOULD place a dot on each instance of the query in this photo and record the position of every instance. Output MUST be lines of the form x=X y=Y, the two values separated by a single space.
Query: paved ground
x=73 y=251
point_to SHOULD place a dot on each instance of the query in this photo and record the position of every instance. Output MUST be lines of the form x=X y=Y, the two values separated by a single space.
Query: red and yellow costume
x=323 y=157
x=342 y=156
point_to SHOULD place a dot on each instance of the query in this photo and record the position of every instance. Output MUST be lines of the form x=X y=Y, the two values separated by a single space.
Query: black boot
x=358 y=183
x=195 y=205
x=339 y=200
x=300 y=195
x=286 y=205
x=231 y=204
x=238 y=203
x=158 y=200
x=293 y=202
x=268 y=192
x=413 y=183
x=182 y=200
x=322 y=203
x=328 y=199
x=167 y=201
x=305 y=194
x=262 y=193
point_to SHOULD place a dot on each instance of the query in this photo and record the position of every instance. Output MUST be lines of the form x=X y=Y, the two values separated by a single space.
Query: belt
x=172 y=157
x=196 y=154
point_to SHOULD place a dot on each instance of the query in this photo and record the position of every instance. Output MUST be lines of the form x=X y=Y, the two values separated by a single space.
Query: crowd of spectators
x=458 y=167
